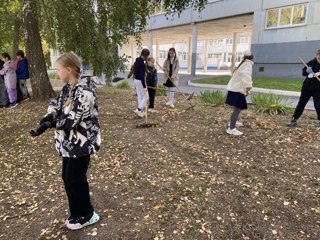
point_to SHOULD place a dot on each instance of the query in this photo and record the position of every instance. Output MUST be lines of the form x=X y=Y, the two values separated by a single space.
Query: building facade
x=277 y=32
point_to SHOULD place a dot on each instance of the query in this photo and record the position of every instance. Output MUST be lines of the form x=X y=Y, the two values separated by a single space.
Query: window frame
x=291 y=25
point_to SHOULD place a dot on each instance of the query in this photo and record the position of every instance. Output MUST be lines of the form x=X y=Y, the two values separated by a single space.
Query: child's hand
x=309 y=70
x=41 y=129
x=248 y=91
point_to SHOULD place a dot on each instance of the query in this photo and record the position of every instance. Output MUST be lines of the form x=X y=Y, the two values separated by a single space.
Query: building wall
x=277 y=51
x=212 y=11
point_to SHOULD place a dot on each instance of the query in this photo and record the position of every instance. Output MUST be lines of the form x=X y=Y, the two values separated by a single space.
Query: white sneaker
x=138 y=113
x=234 y=132
x=151 y=110
x=238 y=124
x=81 y=222
x=171 y=105
x=168 y=103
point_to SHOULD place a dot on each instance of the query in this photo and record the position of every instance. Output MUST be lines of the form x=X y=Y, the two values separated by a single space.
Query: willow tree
x=94 y=29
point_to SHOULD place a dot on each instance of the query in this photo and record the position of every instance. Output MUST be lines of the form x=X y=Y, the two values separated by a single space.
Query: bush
x=161 y=90
x=213 y=97
x=123 y=85
x=53 y=76
x=270 y=104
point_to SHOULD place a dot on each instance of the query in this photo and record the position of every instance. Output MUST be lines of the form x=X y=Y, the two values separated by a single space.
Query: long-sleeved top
x=311 y=82
x=9 y=75
x=242 y=78
x=77 y=125
x=175 y=69
x=140 y=71
x=22 y=70
x=152 y=78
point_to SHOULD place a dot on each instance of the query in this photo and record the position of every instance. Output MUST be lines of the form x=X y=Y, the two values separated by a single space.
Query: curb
x=254 y=90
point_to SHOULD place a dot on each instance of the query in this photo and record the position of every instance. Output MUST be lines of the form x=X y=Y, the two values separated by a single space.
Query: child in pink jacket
x=10 y=79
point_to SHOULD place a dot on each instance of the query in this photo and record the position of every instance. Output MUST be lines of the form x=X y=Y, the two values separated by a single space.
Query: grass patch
x=259 y=82
x=53 y=76
x=270 y=104
x=161 y=90
x=213 y=97
x=123 y=85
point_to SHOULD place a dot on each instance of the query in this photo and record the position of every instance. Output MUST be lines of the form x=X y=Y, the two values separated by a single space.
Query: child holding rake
x=238 y=88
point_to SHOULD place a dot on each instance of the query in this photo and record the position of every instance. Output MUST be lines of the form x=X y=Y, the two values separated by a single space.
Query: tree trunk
x=16 y=36
x=40 y=84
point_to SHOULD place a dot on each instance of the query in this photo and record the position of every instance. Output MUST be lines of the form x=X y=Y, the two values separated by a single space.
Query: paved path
x=184 y=87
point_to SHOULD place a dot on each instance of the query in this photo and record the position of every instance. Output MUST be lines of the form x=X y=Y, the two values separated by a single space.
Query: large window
x=183 y=56
x=286 y=16
x=163 y=54
x=216 y=42
x=215 y=55
x=243 y=40
x=229 y=41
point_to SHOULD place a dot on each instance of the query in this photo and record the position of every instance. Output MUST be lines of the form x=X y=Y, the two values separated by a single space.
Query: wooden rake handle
x=304 y=63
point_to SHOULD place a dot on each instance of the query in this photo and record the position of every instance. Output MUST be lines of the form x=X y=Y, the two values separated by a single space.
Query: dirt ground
x=185 y=178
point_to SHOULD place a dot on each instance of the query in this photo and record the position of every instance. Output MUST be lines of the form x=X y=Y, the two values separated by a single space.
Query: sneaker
x=168 y=103
x=68 y=220
x=234 y=132
x=81 y=222
x=24 y=99
x=151 y=110
x=238 y=124
x=292 y=123
x=139 y=113
x=12 y=105
x=171 y=105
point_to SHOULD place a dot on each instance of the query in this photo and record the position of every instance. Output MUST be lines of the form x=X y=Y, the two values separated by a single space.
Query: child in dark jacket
x=310 y=88
x=140 y=69
x=22 y=73
x=74 y=114
x=152 y=81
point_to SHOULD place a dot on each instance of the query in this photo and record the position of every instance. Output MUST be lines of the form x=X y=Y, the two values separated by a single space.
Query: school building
x=213 y=40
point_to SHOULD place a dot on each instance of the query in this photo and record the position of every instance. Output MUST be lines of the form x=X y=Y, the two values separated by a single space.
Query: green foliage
x=123 y=85
x=213 y=97
x=93 y=29
x=161 y=90
x=270 y=104
x=9 y=12
x=53 y=76
x=260 y=82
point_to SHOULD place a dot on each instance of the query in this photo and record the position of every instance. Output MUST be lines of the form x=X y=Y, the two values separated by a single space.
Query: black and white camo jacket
x=77 y=125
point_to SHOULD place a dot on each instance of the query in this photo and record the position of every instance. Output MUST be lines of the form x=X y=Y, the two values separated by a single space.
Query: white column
x=189 y=54
x=157 y=52
x=194 y=49
x=205 y=59
x=150 y=43
x=234 y=51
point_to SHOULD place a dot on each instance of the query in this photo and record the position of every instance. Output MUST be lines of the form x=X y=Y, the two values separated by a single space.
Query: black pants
x=304 y=98
x=74 y=172
x=152 y=94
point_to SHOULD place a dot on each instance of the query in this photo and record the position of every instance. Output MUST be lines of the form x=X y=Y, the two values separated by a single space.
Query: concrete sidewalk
x=289 y=97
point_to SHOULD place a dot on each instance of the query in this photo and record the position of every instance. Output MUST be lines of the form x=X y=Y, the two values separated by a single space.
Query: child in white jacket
x=238 y=88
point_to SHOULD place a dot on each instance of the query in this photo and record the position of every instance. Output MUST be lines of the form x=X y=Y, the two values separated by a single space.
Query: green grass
x=53 y=76
x=270 y=104
x=259 y=82
x=213 y=97
x=123 y=85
